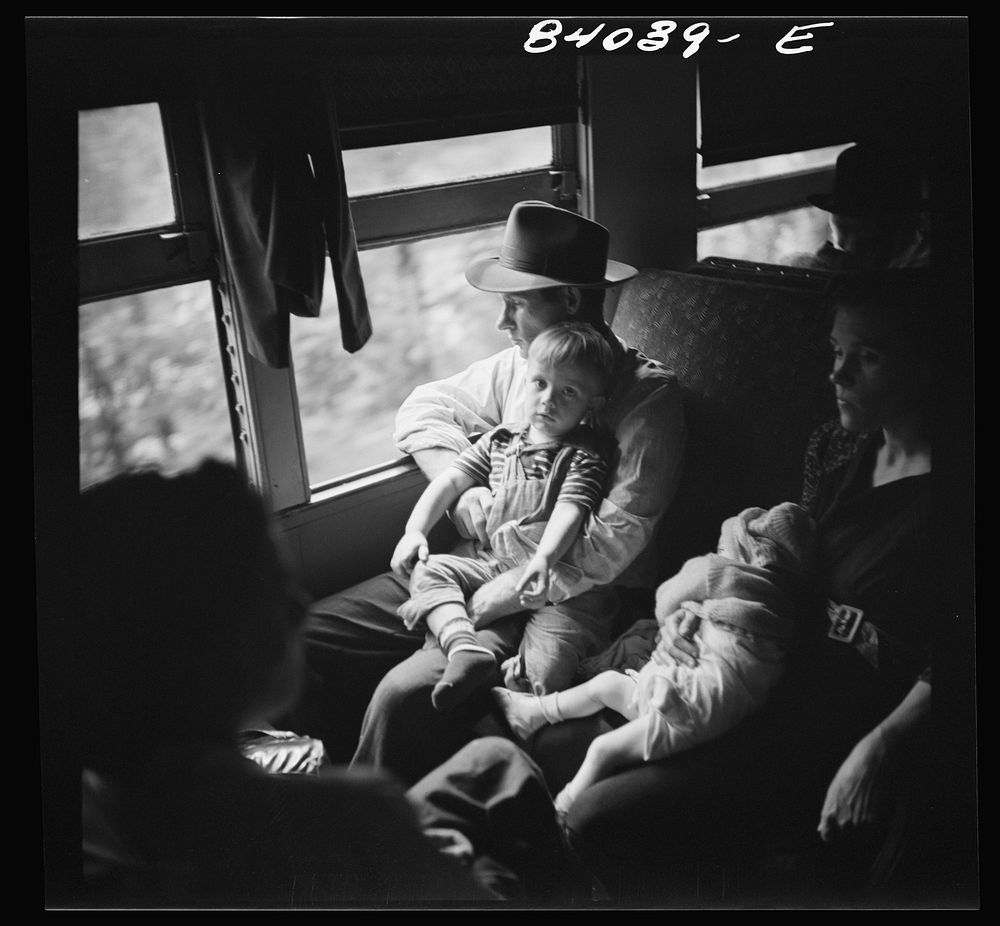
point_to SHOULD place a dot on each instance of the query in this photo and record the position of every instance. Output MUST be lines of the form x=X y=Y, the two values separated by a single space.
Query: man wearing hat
x=875 y=214
x=552 y=267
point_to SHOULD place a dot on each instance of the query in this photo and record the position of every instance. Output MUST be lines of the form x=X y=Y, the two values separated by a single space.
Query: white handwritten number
x=793 y=36
x=658 y=35
x=545 y=31
x=544 y=37
x=695 y=34
x=611 y=43
x=582 y=39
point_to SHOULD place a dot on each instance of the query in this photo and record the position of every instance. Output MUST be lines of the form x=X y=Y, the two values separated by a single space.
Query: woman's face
x=876 y=387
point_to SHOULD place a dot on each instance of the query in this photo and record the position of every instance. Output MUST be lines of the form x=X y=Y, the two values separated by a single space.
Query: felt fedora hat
x=872 y=181
x=544 y=245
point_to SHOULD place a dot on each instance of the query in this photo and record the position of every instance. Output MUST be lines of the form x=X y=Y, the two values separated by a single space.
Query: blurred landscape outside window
x=151 y=383
x=151 y=386
x=770 y=239
x=124 y=175
x=428 y=321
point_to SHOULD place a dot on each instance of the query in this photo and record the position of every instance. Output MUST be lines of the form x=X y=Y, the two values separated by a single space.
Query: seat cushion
x=753 y=363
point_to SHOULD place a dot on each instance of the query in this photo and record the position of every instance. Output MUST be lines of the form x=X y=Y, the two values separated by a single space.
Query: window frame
x=433 y=210
x=731 y=203
x=164 y=255
x=263 y=404
x=740 y=201
x=179 y=252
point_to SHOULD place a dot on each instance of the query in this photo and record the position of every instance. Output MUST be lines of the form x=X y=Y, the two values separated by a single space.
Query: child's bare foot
x=466 y=671
x=563 y=801
x=523 y=712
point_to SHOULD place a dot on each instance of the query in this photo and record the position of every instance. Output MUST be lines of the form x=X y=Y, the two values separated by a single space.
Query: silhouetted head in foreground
x=187 y=620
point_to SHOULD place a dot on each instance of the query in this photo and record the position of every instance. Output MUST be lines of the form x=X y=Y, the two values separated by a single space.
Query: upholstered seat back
x=753 y=362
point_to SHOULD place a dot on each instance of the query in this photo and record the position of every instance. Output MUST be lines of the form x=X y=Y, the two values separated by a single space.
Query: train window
x=429 y=323
x=422 y=211
x=757 y=209
x=154 y=385
x=124 y=175
x=390 y=167
x=770 y=239
x=152 y=388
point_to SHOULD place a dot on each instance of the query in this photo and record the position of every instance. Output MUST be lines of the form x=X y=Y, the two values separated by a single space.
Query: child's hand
x=514 y=678
x=675 y=643
x=411 y=547
x=533 y=586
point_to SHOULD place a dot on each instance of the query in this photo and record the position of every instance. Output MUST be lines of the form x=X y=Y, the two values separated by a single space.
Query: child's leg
x=527 y=713
x=609 y=752
x=470 y=664
x=559 y=636
x=438 y=591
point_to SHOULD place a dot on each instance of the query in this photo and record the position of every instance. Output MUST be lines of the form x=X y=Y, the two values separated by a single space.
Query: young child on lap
x=549 y=469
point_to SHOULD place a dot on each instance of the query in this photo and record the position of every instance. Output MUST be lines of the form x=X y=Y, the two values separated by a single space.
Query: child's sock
x=527 y=713
x=469 y=664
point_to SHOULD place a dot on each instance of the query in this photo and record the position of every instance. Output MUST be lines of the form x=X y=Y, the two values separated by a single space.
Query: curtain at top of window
x=395 y=81
x=894 y=80
x=407 y=97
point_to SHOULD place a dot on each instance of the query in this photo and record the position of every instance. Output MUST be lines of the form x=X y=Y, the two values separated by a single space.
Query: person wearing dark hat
x=552 y=267
x=876 y=214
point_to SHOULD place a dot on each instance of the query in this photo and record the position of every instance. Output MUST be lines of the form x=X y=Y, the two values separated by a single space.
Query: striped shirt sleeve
x=476 y=461
x=584 y=481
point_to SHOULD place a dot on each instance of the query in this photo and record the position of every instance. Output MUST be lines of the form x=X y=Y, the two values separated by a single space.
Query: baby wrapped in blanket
x=744 y=598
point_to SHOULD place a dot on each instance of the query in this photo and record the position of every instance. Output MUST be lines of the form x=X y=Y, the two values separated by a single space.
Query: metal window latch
x=191 y=245
x=566 y=184
x=703 y=204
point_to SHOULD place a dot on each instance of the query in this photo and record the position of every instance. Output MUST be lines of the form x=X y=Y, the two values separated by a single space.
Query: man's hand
x=470 y=513
x=675 y=642
x=411 y=547
x=497 y=598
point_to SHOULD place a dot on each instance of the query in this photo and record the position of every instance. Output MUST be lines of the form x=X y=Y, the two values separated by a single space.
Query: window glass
x=771 y=239
x=152 y=388
x=124 y=175
x=759 y=168
x=428 y=322
x=371 y=170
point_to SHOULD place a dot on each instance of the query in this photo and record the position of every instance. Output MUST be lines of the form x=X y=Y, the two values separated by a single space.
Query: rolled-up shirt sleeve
x=651 y=438
x=450 y=413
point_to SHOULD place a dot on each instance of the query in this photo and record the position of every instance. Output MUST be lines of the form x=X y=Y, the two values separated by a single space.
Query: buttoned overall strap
x=553 y=484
